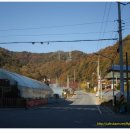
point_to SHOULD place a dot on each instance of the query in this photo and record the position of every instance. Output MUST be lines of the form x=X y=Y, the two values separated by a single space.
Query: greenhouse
x=15 y=86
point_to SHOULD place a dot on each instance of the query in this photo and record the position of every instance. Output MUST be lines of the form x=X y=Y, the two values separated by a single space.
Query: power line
x=77 y=33
x=127 y=19
x=107 y=19
x=33 y=42
x=127 y=3
x=127 y=25
x=109 y=8
x=101 y=27
x=127 y=28
x=114 y=34
x=57 y=26
x=104 y=15
x=105 y=24
x=124 y=3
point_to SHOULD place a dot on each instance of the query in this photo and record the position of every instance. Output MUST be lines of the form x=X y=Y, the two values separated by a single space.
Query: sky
x=52 y=21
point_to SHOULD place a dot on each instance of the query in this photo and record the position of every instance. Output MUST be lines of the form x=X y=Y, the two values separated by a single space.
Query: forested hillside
x=60 y=64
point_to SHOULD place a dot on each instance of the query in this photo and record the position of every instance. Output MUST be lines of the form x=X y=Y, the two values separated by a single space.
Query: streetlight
x=112 y=63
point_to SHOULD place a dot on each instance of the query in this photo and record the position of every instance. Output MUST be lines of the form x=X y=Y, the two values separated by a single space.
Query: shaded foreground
x=79 y=112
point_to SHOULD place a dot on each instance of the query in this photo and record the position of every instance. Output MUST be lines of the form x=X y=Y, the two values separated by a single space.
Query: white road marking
x=71 y=108
x=108 y=110
x=99 y=109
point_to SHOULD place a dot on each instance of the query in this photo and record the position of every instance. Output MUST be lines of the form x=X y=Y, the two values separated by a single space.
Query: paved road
x=79 y=112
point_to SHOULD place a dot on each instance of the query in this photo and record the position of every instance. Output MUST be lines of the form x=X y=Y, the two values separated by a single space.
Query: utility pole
x=127 y=76
x=112 y=65
x=112 y=62
x=100 y=85
x=59 y=57
x=56 y=81
x=74 y=75
x=120 y=50
x=68 y=81
x=98 y=76
x=116 y=81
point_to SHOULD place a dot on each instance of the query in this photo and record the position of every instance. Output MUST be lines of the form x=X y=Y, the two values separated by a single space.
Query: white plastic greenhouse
x=28 y=88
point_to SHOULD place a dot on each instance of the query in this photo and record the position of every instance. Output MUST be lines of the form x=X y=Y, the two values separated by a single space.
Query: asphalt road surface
x=79 y=112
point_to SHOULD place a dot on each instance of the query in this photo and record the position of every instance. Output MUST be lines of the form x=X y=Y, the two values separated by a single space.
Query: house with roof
x=116 y=70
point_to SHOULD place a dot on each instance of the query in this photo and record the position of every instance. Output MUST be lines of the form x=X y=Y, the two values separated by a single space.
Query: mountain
x=60 y=64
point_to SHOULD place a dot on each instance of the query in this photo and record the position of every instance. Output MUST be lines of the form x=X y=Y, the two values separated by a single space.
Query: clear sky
x=47 y=21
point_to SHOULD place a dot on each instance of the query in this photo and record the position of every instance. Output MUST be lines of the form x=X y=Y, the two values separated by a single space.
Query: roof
x=117 y=68
x=21 y=80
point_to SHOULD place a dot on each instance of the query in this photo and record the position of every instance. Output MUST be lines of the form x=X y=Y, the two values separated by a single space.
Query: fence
x=12 y=102
x=20 y=102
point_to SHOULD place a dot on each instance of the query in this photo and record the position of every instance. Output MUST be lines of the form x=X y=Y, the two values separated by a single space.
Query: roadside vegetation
x=36 y=65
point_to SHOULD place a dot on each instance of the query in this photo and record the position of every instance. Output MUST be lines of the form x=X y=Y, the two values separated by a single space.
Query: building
x=116 y=70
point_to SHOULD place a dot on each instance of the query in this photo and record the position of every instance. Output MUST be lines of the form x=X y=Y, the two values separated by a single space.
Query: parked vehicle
x=65 y=93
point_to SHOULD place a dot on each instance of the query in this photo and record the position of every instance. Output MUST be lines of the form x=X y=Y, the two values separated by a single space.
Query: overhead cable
x=33 y=42
x=51 y=27
x=46 y=34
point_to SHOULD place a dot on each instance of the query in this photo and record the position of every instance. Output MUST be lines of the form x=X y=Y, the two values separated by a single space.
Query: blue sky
x=47 y=21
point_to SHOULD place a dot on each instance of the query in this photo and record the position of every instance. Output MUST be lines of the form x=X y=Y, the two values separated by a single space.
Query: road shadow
x=60 y=115
x=107 y=104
